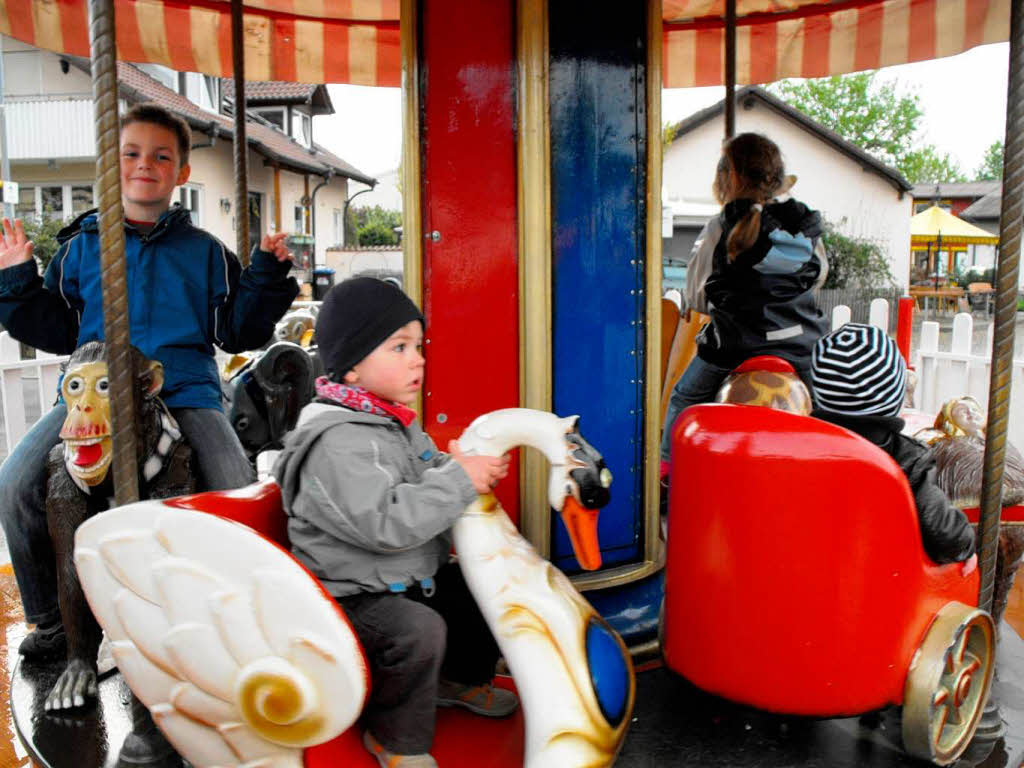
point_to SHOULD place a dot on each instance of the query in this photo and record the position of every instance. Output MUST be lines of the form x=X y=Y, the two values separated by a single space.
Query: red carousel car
x=796 y=581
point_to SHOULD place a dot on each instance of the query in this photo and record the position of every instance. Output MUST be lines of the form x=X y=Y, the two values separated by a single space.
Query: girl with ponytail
x=752 y=270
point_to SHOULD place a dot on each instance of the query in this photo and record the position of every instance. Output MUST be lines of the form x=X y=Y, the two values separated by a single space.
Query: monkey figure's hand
x=75 y=687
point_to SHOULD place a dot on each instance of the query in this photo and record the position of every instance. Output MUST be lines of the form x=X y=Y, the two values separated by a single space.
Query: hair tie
x=757 y=207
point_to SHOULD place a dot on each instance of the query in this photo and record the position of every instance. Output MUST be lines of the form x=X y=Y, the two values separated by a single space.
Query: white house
x=858 y=194
x=294 y=184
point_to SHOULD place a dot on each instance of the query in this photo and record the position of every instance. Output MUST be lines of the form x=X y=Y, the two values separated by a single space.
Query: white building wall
x=32 y=72
x=859 y=202
x=213 y=172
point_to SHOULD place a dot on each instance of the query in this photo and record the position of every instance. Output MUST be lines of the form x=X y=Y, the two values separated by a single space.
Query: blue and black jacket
x=186 y=293
x=762 y=303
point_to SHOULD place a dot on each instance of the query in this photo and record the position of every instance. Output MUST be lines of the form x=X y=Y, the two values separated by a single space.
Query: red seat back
x=796 y=580
x=257 y=505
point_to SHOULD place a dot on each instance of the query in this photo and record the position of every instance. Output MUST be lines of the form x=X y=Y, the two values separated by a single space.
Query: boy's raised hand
x=484 y=471
x=275 y=244
x=15 y=248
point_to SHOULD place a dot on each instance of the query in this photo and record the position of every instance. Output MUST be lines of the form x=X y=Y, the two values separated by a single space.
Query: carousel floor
x=673 y=724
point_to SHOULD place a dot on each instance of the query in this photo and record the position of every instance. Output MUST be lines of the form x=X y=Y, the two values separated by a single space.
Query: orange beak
x=582 y=526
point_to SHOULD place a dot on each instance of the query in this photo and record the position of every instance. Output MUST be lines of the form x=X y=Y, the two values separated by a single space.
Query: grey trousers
x=406 y=639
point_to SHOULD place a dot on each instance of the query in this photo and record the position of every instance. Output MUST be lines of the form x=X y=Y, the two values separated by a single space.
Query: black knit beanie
x=356 y=317
x=858 y=370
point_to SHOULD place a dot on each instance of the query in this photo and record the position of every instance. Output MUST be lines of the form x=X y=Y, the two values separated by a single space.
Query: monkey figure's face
x=86 y=432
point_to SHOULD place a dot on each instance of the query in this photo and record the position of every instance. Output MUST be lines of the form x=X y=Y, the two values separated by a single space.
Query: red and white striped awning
x=815 y=38
x=306 y=41
x=357 y=41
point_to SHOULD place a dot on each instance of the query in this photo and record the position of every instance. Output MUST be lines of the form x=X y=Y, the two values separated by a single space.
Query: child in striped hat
x=859 y=381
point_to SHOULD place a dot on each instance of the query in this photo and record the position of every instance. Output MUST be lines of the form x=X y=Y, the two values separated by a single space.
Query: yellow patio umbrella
x=938 y=227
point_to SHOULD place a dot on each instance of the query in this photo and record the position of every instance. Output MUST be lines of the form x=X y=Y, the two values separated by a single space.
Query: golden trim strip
x=614 y=577
x=412 y=217
x=534 y=203
x=652 y=264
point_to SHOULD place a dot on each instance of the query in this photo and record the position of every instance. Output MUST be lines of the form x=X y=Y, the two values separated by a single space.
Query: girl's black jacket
x=763 y=303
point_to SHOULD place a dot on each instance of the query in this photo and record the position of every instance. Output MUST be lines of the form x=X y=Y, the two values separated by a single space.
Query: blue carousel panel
x=598 y=162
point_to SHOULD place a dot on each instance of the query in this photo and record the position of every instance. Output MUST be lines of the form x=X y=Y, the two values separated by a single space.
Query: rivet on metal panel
x=434 y=236
x=442 y=418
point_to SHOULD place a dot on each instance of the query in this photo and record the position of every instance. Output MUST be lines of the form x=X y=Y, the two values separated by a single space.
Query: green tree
x=43 y=234
x=855 y=263
x=375 y=225
x=876 y=116
x=928 y=164
x=991 y=168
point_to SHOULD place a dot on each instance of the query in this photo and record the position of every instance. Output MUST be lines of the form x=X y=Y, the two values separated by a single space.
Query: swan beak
x=582 y=526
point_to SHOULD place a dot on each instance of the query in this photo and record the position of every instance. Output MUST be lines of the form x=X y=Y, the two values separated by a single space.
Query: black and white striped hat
x=858 y=370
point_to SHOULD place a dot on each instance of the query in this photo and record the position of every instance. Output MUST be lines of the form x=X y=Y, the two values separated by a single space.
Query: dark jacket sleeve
x=258 y=296
x=42 y=314
x=947 y=536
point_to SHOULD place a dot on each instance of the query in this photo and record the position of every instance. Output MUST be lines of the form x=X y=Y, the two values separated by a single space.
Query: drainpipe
x=312 y=205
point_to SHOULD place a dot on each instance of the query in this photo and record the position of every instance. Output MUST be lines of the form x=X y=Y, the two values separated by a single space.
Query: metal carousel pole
x=1005 y=312
x=113 y=272
x=241 y=146
x=991 y=726
x=730 y=69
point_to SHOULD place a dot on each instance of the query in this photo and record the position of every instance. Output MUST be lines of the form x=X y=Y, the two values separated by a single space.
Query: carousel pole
x=239 y=138
x=113 y=272
x=730 y=69
x=1005 y=312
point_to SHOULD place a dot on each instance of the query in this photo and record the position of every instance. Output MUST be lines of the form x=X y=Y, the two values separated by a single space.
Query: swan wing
x=236 y=650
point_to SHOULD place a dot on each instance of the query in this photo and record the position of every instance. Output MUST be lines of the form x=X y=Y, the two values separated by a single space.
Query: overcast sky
x=963 y=98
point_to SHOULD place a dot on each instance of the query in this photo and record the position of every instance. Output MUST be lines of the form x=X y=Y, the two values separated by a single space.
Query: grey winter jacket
x=369 y=502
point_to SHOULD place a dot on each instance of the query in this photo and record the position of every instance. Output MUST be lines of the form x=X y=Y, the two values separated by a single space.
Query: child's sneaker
x=483 y=699
x=391 y=760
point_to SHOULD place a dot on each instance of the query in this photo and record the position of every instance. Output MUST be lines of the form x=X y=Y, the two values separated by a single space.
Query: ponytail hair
x=760 y=176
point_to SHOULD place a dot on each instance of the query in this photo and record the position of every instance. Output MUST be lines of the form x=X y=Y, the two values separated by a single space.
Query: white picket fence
x=18 y=375
x=941 y=374
x=948 y=373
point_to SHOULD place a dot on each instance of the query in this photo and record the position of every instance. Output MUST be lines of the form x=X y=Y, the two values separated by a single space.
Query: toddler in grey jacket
x=370 y=503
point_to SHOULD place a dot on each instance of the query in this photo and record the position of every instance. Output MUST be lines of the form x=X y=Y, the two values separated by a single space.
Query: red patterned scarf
x=359 y=399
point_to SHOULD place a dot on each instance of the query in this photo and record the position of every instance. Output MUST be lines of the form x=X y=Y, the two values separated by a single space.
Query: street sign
x=10 y=190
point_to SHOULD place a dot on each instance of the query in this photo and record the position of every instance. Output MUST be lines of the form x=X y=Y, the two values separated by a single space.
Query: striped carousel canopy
x=357 y=41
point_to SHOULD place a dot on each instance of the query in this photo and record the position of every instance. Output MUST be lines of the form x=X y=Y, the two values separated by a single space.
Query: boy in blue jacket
x=187 y=292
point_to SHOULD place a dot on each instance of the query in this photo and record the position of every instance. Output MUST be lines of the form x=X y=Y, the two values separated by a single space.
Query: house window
x=202 y=90
x=336 y=222
x=53 y=201
x=81 y=199
x=300 y=220
x=273 y=115
x=924 y=205
x=191 y=199
x=26 y=206
x=302 y=128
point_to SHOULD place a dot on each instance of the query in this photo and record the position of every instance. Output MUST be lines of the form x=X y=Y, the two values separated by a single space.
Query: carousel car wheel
x=948 y=683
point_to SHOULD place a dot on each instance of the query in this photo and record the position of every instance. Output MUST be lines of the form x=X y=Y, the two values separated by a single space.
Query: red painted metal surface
x=904 y=326
x=470 y=272
x=257 y=505
x=1009 y=515
x=462 y=740
x=796 y=581
x=769 y=363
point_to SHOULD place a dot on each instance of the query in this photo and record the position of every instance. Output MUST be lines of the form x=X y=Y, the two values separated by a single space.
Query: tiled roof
x=139 y=86
x=260 y=92
x=986 y=207
x=827 y=135
x=973 y=189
